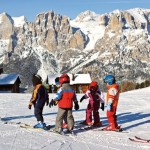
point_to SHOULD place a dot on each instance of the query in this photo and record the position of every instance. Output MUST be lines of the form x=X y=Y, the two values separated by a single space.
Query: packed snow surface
x=133 y=114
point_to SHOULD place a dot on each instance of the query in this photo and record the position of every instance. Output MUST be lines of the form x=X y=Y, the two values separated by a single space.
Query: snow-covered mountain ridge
x=116 y=42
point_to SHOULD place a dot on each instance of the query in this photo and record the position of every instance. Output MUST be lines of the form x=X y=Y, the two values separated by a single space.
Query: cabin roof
x=8 y=79
x=78 y=78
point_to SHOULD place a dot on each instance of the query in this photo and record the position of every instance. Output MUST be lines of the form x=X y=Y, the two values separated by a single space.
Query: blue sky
x=70 y=8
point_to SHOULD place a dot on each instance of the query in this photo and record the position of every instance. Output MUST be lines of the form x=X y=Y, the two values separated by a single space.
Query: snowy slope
x=133 y=114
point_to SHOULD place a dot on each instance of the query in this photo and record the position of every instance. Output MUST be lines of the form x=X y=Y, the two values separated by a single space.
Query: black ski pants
x=39 y=114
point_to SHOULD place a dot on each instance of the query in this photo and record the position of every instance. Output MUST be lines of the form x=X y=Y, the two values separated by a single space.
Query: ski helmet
x=93 y=86
x=64 y=78
x=110 y=79
x=36 y=79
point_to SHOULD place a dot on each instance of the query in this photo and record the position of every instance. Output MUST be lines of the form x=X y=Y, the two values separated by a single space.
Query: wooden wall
x=14 y=88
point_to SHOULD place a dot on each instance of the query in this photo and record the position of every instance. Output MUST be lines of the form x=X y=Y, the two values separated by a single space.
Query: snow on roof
x=6 y=79
x=19 y=21
x=78 y=78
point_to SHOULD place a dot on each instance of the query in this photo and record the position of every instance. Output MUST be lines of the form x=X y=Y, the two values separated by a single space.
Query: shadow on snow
x=122 y=118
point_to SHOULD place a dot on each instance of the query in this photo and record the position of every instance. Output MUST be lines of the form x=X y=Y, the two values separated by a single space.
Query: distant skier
x=66 y=96
x=80 y=89
x=39 y=99
x=95 y=98
x=112 y=102
x=52 y=88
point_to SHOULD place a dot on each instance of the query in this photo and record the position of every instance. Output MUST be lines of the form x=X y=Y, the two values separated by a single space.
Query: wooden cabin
x=9 y=83
x=79 y=82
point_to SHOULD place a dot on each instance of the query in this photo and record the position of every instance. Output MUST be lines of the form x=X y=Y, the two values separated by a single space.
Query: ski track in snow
x=133 y=115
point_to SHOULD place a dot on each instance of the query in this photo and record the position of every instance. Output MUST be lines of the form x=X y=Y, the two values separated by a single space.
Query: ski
x=85 y=128
x=11 y=123
x=119 y=130
x=63 y=133
x=26 y=126
x=142 y=139
x=81 y=126
x=139 y=140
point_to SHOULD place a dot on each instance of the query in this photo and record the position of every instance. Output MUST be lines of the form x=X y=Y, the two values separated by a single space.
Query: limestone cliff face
x=54 y=32
x=6 y=29
x=51 y=31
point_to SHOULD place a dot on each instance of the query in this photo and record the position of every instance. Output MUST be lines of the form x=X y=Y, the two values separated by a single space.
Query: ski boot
x=97 y=124
x=40 y=125
x=70 y=132
x=65 y=126
x=87 y=123
x=58 y=131
x=111 y=128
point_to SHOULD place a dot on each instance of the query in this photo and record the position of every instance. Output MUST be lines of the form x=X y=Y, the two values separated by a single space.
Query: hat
x=36 y=79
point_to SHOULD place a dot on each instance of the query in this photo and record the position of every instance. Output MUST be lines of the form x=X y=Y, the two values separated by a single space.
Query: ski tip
x=130 y=139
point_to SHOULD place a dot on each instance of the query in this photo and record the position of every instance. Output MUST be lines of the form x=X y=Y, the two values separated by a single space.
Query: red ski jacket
x=66 y=96
x=113 y=94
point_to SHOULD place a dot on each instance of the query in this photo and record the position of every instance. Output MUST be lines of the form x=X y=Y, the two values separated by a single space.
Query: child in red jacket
x=58 y=85
x=95 y=98
x=65 y=98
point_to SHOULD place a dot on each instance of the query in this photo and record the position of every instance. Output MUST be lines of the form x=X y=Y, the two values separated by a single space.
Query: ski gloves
x=29 y=106
x=102 y=106
x=52 y=103
x=109 y=106
x=81 y=99
x=76 y=106
x=47 y=102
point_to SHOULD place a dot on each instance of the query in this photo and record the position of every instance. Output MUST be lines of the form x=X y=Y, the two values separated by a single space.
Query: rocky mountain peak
x=116 y=42
x=86 y=16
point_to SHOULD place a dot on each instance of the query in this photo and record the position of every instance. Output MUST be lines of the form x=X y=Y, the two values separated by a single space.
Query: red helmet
x=93 y=86
x=64 y=78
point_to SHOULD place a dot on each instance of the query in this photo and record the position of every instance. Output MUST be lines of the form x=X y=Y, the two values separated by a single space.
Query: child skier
x=95 y=98
x=112 y=102
x=64 y=125
x=39 y=98
x=66 y=96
